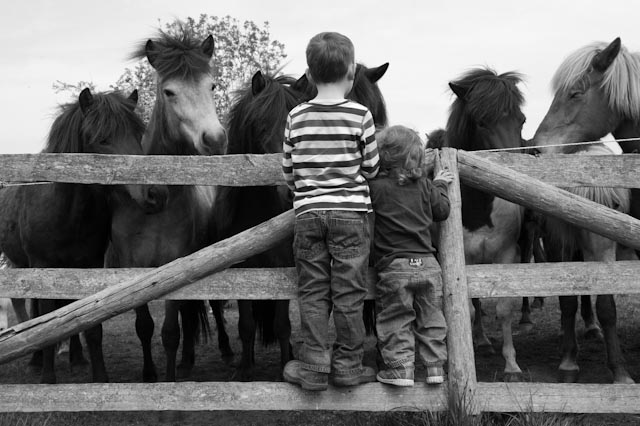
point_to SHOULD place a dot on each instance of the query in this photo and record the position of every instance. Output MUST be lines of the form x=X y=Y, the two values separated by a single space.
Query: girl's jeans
x=409 y=309
x=332 y=251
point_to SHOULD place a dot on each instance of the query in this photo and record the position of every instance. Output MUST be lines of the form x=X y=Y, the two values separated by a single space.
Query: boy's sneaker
x=399 y=376
x=366 y=375
x=309 y=380
x=435 y=375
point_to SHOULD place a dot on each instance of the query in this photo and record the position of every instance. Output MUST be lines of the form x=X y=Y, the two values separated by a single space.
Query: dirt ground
x=537 y=354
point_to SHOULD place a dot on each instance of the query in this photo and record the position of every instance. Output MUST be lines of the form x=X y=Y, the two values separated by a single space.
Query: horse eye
x=574 y=95
x=169 y=93
x=213 y=87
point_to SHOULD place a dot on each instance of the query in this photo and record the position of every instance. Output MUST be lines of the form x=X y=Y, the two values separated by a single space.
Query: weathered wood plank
x=213 y=396
x=47 y=329
x=230 y=170
x=484 y=281
x=243 y=170
x=518 y=188
x=462 y=367
x=558 y=398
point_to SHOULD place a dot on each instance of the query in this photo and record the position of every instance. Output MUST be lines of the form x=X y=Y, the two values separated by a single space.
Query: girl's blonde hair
x=401 y=154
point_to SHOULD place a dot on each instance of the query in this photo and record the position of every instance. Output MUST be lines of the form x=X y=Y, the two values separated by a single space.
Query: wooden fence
x=461 y=282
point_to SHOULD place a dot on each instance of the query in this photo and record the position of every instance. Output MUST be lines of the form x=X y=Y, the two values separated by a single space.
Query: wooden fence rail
x=460 y=283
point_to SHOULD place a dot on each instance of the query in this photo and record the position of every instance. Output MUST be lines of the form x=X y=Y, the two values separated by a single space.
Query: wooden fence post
x=462 y=369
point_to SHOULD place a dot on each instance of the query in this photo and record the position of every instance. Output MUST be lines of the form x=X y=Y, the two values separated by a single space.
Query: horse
x=597 y=92
x=184 y=121
x=256 y=124
x=64 y=225
x=486 y=114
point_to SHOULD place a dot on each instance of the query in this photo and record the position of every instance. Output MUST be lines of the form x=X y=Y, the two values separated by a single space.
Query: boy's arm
x=439 y=199
x=370 y=158
x=287 y=163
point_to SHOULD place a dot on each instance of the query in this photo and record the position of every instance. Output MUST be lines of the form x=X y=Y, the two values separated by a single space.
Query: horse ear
x=605 y=58
x=207 y=46
x=258 y=83
x=150 y=52
x=460 y=91
x=86 y=100
x=301 y=84
x=133 y=97
x=375 y=74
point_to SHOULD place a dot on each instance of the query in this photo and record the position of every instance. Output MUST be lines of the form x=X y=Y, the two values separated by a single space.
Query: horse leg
x=282 y=329
x=36 y=357
x=480 y=339
x=568 y=369
x=20 y=309
x=93 y=336
x=217 y=308
x=144 y=330
x=189 y=317
x=525 y=320
x=171 y=337
x=591 y=327
x=48 y=374
x=247 y=331
x=76 y=357
x=607 y=315
x=504 y=312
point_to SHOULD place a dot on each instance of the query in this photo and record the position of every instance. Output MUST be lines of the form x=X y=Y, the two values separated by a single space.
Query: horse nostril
x=215 y=142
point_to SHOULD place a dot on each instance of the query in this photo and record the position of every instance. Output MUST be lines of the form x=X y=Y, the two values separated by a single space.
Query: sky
x=427 y=44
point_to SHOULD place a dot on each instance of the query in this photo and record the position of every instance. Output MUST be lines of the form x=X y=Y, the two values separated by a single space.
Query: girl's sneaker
x=400 y=376
x=435 y=375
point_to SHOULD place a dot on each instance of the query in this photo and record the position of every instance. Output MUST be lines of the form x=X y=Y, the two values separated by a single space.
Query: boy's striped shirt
x=329 y=149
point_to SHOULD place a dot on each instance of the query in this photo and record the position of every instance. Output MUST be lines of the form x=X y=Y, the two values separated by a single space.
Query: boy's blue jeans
x=331 y=248
x=409 y=310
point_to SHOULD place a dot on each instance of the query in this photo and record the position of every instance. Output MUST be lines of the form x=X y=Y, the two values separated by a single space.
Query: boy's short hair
x=401 y=154
x=329 y=55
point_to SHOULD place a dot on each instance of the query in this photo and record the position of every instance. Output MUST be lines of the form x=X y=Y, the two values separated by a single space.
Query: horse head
x=185 y=120
x=106 y=123
x=486 y=113
x=597 y=92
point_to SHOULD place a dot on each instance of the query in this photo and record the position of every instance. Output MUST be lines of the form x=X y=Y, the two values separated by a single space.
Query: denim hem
x=317 y=368
x=434 y=364
x=407 y=363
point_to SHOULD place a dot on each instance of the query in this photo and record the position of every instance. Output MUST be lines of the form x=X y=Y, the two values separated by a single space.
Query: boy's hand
x=444 y=175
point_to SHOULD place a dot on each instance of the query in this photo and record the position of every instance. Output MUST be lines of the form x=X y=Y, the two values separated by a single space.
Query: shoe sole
x=395 y=382
x=305 y=385
x=436 y=380
x=353 y=382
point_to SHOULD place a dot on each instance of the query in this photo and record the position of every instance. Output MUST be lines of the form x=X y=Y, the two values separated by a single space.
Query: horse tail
x=264 y=315
x=203 y=331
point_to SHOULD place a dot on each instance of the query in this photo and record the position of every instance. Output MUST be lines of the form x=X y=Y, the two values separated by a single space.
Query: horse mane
x=255 y=122
x=489 y=97
x=110 y=114
x=176 y=55
x=621 y=81
x=436 y=138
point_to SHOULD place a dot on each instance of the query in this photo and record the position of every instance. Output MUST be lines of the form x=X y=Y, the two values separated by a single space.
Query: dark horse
x=597 y=92
x=63 y=225
x=183 y=122
x=256 y=126
x=486 y=114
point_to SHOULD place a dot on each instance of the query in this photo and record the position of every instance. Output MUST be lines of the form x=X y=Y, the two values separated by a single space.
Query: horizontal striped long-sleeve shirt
x=329 y=151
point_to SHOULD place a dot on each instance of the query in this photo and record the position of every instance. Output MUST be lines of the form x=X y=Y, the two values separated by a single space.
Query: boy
x=409 y=289
x=329 y=152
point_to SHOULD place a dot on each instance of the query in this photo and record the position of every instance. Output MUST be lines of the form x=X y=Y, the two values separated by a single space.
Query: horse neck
x=626 y=130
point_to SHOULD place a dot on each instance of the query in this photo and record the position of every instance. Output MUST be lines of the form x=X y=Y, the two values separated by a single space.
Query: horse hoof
x=242 y=375
x=568 y=376
x=525 y=327
x=593 y=334
x=149 y=376
x=184 y=371
x=513 y=377
x=622 y=377
x=101 y=378
x=48 y=379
